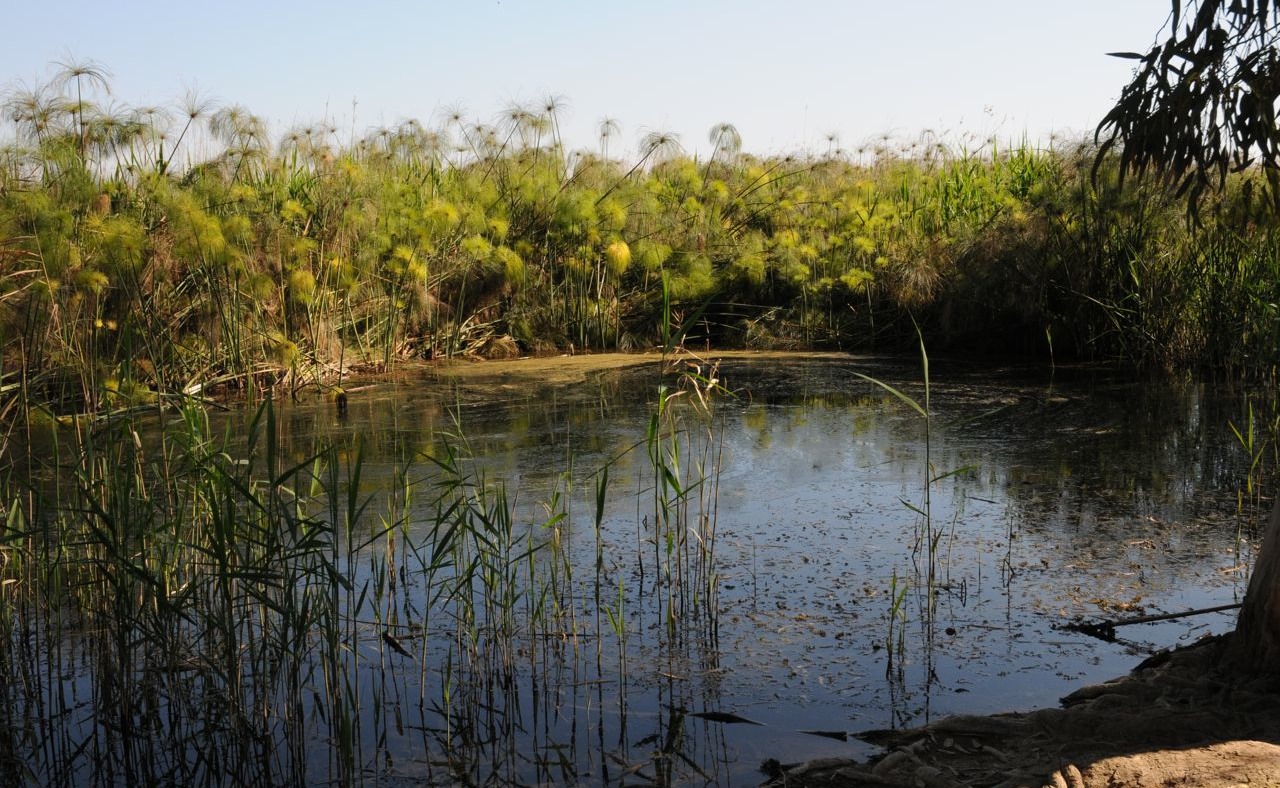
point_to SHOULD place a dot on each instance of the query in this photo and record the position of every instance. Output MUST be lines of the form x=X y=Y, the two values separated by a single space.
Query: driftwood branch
x=1106 y=630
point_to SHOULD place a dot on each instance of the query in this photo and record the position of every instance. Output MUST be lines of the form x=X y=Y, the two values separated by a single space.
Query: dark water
x=1075 y=494
x=1055 y=496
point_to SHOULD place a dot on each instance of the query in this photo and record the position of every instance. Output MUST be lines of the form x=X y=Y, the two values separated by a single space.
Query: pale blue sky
x=785 y=74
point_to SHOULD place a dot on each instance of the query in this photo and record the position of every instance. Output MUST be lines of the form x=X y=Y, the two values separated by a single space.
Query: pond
x=767 y=567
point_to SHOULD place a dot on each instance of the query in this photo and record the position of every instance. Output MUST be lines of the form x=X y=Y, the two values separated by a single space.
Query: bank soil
x=1177 y=720
x=573 y=369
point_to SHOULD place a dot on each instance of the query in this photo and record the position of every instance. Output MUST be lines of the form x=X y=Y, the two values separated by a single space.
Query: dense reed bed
x=147 y=252
x=179 y=607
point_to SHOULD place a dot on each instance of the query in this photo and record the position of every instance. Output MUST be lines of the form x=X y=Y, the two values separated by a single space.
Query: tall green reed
x=685 y=453
x=191 y=581
x=231 y=597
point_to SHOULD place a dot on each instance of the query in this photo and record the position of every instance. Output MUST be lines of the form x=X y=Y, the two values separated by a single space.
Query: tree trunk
x=1256 y=645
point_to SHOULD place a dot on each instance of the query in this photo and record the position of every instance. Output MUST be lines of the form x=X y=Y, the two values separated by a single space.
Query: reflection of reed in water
x=193 y=608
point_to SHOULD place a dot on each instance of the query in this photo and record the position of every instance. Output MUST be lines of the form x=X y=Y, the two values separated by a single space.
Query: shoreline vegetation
x=222 y=601
x=131 y=269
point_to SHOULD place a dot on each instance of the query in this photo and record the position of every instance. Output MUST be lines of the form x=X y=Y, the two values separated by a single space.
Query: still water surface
x=811 y=598
x=1056 y=495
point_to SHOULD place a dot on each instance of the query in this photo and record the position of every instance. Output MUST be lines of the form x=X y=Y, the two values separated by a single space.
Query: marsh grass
x=135 y=270
x=930 y=575
x=685 y=454
x=1258 y=437
x=183 y=606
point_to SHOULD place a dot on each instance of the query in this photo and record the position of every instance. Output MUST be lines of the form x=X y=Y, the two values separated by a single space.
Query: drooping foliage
x=1202 y=102
x=1201 y=106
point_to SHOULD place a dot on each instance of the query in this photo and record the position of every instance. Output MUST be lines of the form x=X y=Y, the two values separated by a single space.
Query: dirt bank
x=1177 y=720
x=571 y=369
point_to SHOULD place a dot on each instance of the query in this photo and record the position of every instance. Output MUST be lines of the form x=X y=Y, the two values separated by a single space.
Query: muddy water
x=1055 y=496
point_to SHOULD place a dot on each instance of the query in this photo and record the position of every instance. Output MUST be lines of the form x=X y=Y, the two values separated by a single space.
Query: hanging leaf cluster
x=1202 y=103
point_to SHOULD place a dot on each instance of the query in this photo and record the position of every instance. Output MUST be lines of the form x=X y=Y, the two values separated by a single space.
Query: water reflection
x=599 y=648
x=1087 y=495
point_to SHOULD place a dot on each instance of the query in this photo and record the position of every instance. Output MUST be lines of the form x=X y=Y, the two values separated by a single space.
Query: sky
x=785 y=74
